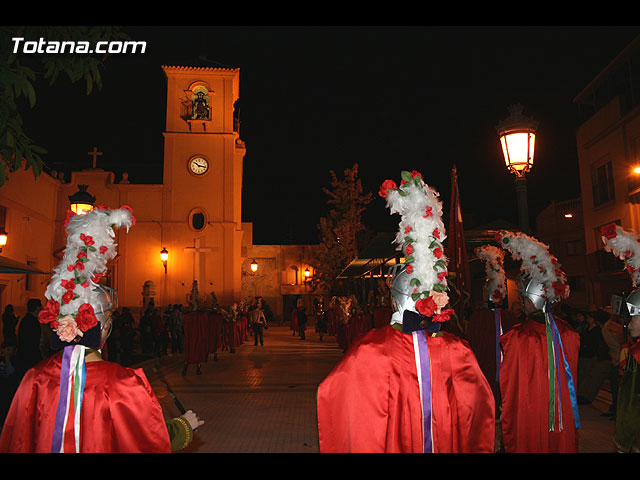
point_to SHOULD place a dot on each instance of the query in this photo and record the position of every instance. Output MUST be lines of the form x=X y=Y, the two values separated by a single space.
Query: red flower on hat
x=408 y=229
x=68 y=296
x=81 y=254
x=86 y=318
x=427 y=212
x=96 y=278
x=444 y=316
x=68 y=217
x=79 y=265
x=609 y=231
x=103 y=249
x=437 y=252
x=87 y=239
x=559 y=288
x=68 y=284
x=415 y=174
x=387 y=185
x=409 y=249
x=426 y=306
x=409 y=268
x=442 y=276
x=436 y=233
x=49 y=313
x=128 y=207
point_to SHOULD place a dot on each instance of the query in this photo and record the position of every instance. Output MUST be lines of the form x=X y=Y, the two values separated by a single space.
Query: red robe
x=370 y=402
x=197 y=337
x=524 y=385
x=214 y=332
x=120 y=413
x=481 y=335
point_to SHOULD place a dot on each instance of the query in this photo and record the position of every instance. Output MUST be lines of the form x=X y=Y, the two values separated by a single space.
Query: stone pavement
x=263 y=399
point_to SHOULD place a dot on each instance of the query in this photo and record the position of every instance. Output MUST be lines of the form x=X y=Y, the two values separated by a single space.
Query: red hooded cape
x=370 y=402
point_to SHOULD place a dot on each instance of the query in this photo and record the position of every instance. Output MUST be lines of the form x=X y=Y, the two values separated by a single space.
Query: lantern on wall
x=3 y=238
x=254 y=266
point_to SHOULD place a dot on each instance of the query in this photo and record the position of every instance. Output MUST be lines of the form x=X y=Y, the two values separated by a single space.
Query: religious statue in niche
x=200 y=105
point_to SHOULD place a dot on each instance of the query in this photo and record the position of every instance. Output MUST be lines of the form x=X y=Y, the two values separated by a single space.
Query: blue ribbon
x=572 y=391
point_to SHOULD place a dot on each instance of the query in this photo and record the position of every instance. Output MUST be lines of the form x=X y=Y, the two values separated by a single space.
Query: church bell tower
x=202 y=182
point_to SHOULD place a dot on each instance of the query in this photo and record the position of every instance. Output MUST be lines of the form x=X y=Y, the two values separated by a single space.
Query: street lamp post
x=517 y=137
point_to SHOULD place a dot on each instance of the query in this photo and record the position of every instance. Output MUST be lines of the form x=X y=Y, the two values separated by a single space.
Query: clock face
x=198 y=165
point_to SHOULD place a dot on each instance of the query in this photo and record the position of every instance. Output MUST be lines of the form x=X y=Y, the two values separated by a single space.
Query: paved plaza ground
x=263 y=399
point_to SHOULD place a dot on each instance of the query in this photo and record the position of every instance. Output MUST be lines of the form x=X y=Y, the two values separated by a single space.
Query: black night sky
x=314 y=99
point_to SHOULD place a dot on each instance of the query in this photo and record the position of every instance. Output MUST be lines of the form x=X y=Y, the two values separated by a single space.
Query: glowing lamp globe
x=517 y=137
x=164 y=254
x=254 y=266
x=3 y=238
x=81 y=201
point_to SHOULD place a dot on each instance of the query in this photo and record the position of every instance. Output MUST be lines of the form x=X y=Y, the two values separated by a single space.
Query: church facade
x=195 y=215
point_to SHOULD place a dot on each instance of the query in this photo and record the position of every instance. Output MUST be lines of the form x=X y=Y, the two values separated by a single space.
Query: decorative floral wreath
x=420 y=235
x=493 y=258
x=537 y=262
x=69 y=310
x=624 y=244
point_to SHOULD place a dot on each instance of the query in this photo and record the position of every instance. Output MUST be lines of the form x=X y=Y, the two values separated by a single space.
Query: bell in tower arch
x=200 y=106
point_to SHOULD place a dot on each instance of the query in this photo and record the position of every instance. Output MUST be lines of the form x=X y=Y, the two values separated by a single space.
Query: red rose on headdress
x=49 y=313
x=444 y=316
x=86 y=318
x=68 y=217
x=409 y=268
x=442 y=276
x=408 y=229
x=387 y=185
x=87 y=239
x=68 y=296
x=79 y=265
x=96 y=278
x=409 y=249
x=133 y=219
x=437 y=252
x=436 y=233
x=103 y=249
x=427 y=212
x=68 y=284
x=609 y=231
x=415 y=174
x=559 y=288
x=81 y=254
x=426 y=306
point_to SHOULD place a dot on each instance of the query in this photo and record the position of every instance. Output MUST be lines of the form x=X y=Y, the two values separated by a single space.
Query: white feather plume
x=625 y=245
x=537 y=262
x=420 y=232
x=90 y=245
x=496 y=279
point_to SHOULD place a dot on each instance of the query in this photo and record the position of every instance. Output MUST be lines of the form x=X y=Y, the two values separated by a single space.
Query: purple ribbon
x=58 y=430
x=425 y=376
x=496 y=316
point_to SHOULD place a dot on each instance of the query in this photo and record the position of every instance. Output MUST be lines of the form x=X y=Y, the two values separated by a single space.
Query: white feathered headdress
x=496 y=286
x=420 y=236
x=625 y=245
x=90 y=245
x=537 y=262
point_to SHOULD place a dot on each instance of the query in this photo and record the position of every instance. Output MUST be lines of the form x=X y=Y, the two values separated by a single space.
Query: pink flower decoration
x=67 y=329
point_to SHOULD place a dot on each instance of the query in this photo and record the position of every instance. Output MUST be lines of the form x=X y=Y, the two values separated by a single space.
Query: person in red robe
x=537 y=377
x=197 y=339
x=487 y=324
x=409 y=387
x=73 y=401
